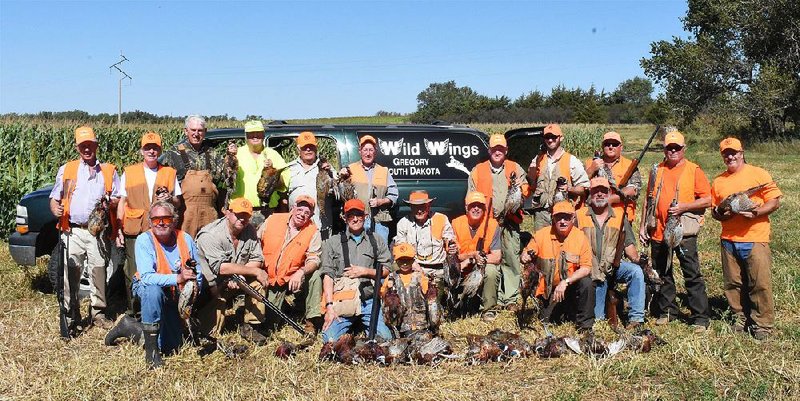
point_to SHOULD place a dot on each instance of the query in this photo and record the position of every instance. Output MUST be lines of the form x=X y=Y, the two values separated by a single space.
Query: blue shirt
x=146 y=261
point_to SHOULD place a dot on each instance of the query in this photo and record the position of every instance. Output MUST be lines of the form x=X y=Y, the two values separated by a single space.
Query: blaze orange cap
x=674 y=138
x=151 y=138
x=354 y=204
x=367 y=138
x=418 y=197
x=553 y=129
x=599 y=182
x=475 y=197
x=403 y=250
x=306 y=199
x=563 y=207
x=730 y=143
x=497 y=140
x=306 y=138
x=83 y=134
x=612 y=136
x=241 y=205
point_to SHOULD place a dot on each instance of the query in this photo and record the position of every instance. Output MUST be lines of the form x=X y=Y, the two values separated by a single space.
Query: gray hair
x=165 y=204
x=195 y=117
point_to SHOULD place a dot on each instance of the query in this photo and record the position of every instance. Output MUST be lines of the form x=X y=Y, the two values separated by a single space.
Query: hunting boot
x=126 y=327
x=152 y=355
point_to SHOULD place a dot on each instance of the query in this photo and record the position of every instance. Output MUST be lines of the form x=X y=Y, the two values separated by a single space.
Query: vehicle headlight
x=22 y=219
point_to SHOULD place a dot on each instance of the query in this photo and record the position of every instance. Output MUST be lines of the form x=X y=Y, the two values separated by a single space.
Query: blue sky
x=313 y=59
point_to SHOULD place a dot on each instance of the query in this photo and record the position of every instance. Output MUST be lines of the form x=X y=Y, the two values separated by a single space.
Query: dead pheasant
x=482 y=349
x=324 y=185
x=347 y=190
x=673 y=233
x=434 y=308
x=231 y=169
x=740 y=201
x=393 y=308
x=529 y=280
x=643 y=341
x=513 y=198
x=270 y=176
x=99 y=217
x=470 y=286
x=452 y=274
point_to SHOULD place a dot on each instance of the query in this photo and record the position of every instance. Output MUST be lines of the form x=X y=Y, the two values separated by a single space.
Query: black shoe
x=152 y=354
x=126 y=327
x=251 y=333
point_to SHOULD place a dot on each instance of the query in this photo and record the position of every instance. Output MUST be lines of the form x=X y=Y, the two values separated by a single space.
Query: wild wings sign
x=429 y=155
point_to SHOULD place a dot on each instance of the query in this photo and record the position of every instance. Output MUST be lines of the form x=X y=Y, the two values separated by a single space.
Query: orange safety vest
x=162 y=265
x=137 y=201
x=438 y=222
x=563 y=167
x=548 y=249
x=618 y=171
x=468 y=243
x=281 y=262
x=69 y=177
x=380 y=186
x=482 y=177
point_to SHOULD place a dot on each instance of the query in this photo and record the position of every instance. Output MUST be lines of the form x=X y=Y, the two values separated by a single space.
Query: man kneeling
x=564 y=257
x=162 y=254
x=348 y=271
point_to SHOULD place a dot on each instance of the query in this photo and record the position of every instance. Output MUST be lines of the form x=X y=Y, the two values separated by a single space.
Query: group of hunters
x=167 y=215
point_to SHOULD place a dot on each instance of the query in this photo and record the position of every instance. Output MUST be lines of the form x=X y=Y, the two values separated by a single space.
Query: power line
x=122 y=77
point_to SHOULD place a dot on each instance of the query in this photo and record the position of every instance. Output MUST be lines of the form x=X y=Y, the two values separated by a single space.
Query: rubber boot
x=152 y=354
x=126 y=327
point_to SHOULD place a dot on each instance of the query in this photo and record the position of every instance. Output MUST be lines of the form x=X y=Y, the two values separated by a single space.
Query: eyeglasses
x=673 y=148
x=611 y=144
x=550 y=137
x=162 y=220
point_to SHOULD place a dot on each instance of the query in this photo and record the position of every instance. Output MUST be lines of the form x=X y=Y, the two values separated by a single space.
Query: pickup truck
x=436 y=158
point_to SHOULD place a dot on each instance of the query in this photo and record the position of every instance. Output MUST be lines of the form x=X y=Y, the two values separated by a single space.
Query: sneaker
x=489 y=316
x=100 y=321
x=699 y=328
x=760 y=334
x=250 y=333
x=738 y=327
x=662 y=320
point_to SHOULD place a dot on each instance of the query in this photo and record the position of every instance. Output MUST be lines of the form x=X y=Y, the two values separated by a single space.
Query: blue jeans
x=160 y=307
x=741 y=250
x=632 y=275
x=380 y=229
x=343 y=325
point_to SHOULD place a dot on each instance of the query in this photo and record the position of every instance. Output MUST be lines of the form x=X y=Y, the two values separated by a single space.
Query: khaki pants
x=541 y=218
x=509 y=269
x=130 y=271
x=491 y=282
x=310 y=295
x=83 y=247
x=748 y=284
x=212 y=314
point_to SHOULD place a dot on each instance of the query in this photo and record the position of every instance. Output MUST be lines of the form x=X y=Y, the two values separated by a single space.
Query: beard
x=600 y=202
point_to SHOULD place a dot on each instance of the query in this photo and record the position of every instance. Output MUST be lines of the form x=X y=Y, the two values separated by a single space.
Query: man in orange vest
x=200 y=172
x=229 y=245
x=684 y=182
x=79 y=185
x=545 y=170
x=476 y=225
x=374 y=186
x=291 y=244
x=140 y=186
x=492 y=179
x=162 y=253
x=603 y=225
x=746 y=256
x=613 y=161
x=564 y=257
x=427 y=233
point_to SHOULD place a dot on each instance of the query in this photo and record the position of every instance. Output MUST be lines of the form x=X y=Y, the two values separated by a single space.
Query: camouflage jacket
x=205 y=159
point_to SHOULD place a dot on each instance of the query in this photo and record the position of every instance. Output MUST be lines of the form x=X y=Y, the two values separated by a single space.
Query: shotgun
x=62 y=257
x=376 y=294
x=240 y=281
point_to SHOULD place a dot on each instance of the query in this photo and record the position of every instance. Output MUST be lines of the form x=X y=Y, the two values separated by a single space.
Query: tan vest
x=380 y=186
x=138 y=200
x=602 y=254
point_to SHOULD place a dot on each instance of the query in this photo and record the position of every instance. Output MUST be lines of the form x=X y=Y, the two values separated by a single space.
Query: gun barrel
x=255 y=294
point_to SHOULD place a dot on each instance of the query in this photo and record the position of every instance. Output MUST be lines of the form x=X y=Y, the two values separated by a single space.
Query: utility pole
x=122 y=77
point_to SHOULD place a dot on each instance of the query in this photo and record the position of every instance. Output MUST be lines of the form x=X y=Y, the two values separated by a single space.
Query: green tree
x=531 y=100
x=741 y=55
x=636 y=91
x=447 y=99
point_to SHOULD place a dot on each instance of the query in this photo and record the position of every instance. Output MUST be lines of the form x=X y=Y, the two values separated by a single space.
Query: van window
x=285 y=145
x=429 y=155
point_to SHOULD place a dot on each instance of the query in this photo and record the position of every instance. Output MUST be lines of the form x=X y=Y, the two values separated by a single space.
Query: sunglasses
x=166 y=220
x=673 y=148
x=550 y=137
x=611 y=144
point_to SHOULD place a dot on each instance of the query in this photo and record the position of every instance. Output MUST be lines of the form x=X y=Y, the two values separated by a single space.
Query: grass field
x=717 y=365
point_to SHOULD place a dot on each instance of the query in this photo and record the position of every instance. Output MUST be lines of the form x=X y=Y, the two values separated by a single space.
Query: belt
x=433 y=266
x=84 y=226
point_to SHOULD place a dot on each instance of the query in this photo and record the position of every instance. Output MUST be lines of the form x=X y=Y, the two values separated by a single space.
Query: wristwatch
x=566 y=280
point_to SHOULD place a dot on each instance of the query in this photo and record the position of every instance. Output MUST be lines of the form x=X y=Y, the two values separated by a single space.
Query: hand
x=330 y=317
x=564 y=187
x=343 y=173
x=596 y=165
x=325 y=166
x=58 y=211
x=644 y=237
x=267 y=163
x=416 y=267
x=677 y=209
x=263 y=278
x=452 y=248
x=525 y=257
x=375 y=202
x=120 y=239
x=186 y=275
x=164 y=196
x=558 y=293
x=480 y=260
x=749 y=214
x=232 y=285
x=296 y=280
x=533 y=169
x=356 y=271
x=232 y=149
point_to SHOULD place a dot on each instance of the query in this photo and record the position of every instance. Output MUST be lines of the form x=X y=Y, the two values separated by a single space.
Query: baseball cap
x=612 y=136
x=564 y=207
x=151 y=138
x=674 y=138
x=553 y=129
x=403 y=250
x=730 y=143
x=497 y=140
x=599 y=182
x=354 y=204
x=241 y=205
x=367 y=138
x=306 y=138
x=306 y=199
x=83 y=134
x=475 y=197
x=253 y=126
